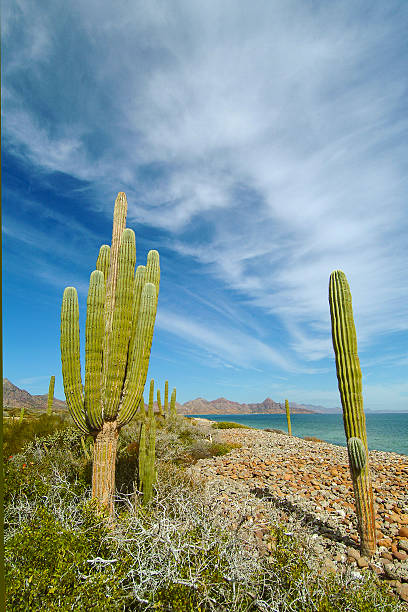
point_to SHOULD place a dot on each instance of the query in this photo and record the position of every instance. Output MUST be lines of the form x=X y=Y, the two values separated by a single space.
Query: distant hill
x=225 y=406
x=13 y=397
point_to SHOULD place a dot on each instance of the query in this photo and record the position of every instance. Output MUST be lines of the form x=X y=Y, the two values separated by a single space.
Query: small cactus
x=288 y=417
x=173 y=409
x=50 y=395
x=350 y=387
x=147 y=446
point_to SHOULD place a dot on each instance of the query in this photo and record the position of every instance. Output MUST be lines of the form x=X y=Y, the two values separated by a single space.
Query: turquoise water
x=385 y=432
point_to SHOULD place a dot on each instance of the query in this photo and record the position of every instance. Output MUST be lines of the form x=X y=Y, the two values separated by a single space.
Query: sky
x=260 y=145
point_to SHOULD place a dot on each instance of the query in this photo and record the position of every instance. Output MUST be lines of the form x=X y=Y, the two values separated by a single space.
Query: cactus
x=159 y=405
x=350 y=387
x=50 y=395
x=173 y=409
x=20 y=420
x=147 y=445
x=121 y=311
x=288 y=417
x=85 y=448
x=166 y=398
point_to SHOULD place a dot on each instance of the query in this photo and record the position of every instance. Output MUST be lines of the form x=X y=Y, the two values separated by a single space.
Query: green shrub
x=16 y=435
x=230 y=425
x=48 y=568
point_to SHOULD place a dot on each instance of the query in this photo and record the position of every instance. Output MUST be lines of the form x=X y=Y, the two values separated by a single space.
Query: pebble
x=307 y=486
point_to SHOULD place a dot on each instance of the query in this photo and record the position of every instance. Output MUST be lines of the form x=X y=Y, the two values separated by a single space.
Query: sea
x=385 y=432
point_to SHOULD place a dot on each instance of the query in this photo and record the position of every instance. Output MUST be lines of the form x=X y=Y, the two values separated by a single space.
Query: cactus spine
x=121 y=311
x=147 y=446
x=350 y=387
x=50 y=395
x=288 y=417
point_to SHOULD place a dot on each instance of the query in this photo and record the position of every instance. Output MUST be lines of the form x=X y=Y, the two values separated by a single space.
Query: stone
x=401 y=556
x=402 y=591
x=403 y=532
x=403 y=545
x=391 y=571
x=362 y=562
x=353 y=553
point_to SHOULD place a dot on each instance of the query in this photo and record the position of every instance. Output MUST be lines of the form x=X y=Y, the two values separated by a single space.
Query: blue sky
x=261 y=146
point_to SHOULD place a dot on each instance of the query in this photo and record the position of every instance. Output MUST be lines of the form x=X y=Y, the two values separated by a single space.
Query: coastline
x=306 y=485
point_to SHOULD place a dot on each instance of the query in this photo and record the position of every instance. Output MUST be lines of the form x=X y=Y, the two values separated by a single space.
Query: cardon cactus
x=20 y=420
x=159 y=404
x=350 y=387
x=166 y=398
x=288 y=417
x=50 y=395
x=173 y=409
x=121 y=311
x=147 y=446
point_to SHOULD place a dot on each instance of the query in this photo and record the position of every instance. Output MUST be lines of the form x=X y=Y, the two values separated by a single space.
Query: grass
x=169 y=555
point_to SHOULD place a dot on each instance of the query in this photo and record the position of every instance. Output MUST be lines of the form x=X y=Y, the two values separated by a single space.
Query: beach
x=307 y=486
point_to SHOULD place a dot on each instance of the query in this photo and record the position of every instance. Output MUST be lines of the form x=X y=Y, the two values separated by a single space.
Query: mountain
x=225 y=406
x=13 y=397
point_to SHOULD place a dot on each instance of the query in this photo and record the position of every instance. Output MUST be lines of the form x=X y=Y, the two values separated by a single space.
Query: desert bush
x=312 y=439
x=230 y=425
x=16 y=435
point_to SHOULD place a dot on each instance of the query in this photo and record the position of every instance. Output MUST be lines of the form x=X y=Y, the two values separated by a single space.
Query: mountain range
x=14 y=397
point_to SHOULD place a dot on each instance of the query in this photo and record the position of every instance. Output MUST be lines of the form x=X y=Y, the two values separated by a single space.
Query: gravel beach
x=307 y=486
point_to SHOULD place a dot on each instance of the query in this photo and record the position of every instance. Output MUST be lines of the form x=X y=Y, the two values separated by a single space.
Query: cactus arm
x=288 y=417
x=153 y=270
x=121 y=325
x=70 y=358
x=119 y=224
x=102 y=263
x=350 y=387
x=150 y=412
x=139 y=361
x=166 y=397
x=94 y=329
x=50 y=395
x=140 y=280
x=357 y=454
x=142 y=410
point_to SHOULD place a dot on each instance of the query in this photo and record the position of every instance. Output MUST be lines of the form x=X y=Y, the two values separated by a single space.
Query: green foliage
x=323 y=593
x=50 y=395
x=16 y=434
x=230 y=425
x=47 y=566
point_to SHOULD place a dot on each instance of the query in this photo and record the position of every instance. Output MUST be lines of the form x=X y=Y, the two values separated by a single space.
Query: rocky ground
x=307 y=486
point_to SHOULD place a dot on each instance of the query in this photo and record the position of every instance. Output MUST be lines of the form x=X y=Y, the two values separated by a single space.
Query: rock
x=403 y=544
x=362 y=562
x=403 y=532
x=353 y=553
x=391 y=571
x=401 y=556
x=402 y=591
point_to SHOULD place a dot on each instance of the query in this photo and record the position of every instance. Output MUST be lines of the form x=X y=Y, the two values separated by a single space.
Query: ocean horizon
x=385 y=431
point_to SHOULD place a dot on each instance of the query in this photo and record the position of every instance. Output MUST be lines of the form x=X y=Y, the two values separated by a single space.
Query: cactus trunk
x=288 y=417
x=350 y=387
x=103 y=469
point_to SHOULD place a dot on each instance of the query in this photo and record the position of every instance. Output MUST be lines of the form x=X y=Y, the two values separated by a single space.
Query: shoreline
x=307 y=486
x=204 y=420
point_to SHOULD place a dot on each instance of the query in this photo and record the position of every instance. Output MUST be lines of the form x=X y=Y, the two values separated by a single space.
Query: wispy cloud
x=269 y=144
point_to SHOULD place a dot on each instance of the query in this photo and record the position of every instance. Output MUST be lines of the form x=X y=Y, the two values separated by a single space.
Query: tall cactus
x=288 y=417
x=20 y=420
x=350 y=387
x=121 y=311
x=50 y=395
x=173 y=409
x=147 y=451
x=166 y=398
